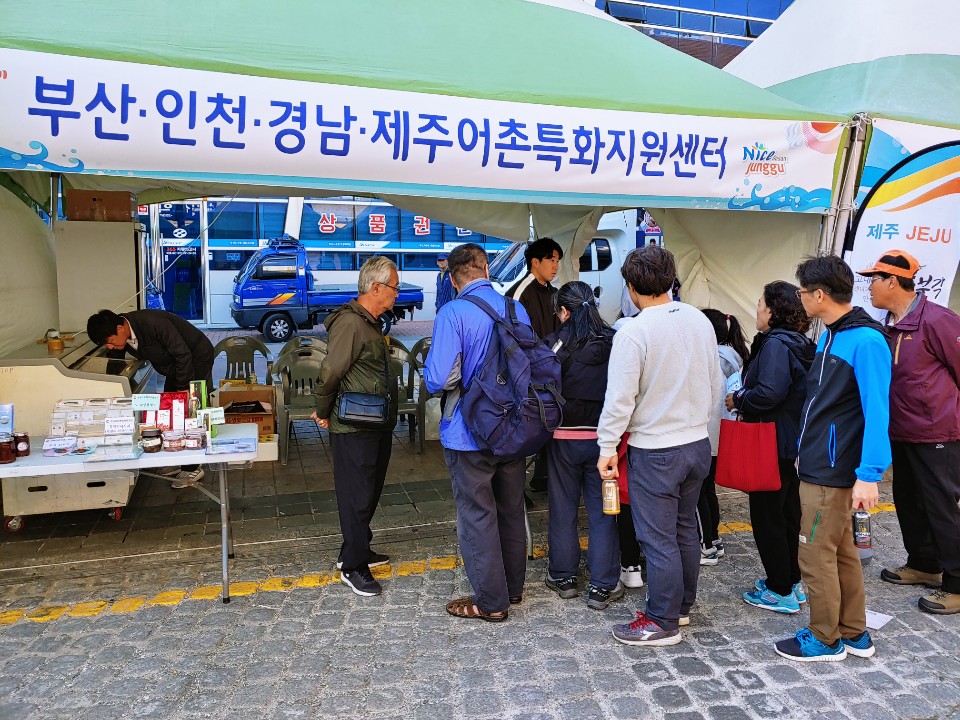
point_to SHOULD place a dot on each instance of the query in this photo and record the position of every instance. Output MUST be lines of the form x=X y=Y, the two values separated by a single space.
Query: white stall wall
x=725 y=258
x=28 y=275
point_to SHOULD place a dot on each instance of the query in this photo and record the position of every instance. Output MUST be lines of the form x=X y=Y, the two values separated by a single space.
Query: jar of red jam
x=22 y=441
x=8 y=449
x=152 y=439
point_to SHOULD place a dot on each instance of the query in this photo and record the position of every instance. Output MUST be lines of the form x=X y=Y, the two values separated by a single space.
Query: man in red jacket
x=924 y=430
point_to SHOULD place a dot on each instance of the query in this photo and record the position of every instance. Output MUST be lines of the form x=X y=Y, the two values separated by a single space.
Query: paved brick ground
x=321 y=651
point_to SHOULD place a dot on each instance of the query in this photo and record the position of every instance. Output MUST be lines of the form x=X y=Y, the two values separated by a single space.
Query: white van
x=599 y=264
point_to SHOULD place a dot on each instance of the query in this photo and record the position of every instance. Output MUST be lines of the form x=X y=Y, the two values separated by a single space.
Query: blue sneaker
x=861 y=645
x=798 y=592
x=769 y=600
x=804 y=647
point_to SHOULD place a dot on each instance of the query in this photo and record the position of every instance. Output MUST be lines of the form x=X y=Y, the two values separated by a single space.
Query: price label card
x=146 y=401
x=59 y=443
x=118 y=426
x=216 y=416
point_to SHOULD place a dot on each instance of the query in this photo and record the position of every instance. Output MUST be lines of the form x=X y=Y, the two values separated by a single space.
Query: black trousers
x=360 y=462
x=708 y=509
x=926 y=489
x=630 y=552
x=775 y=517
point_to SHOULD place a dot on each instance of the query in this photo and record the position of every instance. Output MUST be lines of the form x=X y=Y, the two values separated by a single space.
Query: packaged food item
x=173 y=441
x=6 y=418
x=152 y=439
x=193 y=439
x=8 y=450
x=22 y=441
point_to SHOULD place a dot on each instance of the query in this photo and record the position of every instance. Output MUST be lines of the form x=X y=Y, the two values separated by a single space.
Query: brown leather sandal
x=465 y=608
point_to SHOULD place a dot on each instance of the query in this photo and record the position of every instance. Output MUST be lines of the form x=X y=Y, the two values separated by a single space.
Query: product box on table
x=248 y=404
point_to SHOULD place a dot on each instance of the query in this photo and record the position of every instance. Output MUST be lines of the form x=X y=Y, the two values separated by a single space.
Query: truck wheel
x=278 y=327
x=386 y=322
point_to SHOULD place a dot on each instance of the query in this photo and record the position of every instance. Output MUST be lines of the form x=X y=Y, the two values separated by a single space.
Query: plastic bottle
x=863 y=535
x=611 y=497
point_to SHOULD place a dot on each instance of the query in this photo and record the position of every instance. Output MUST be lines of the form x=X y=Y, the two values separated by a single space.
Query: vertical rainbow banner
x=914 y=207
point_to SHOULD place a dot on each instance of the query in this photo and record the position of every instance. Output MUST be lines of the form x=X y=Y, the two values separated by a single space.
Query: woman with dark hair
x=774 y=390
x=732 y=346
x=583 y=345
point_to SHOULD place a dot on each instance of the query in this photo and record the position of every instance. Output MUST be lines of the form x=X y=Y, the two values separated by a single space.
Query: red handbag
x=747 y=456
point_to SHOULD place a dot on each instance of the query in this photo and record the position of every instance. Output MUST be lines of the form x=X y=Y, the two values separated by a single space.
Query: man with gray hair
x=358 y=362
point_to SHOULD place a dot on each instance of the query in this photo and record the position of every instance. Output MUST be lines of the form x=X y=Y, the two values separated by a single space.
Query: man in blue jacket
x=487 y=490
x=844 y=450
x=445 y=291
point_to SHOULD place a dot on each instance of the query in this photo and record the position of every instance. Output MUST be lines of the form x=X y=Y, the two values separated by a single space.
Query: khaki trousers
x=830 y=563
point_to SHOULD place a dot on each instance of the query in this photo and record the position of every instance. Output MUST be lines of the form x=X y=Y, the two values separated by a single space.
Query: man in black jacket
x=535 y=293
x=176 y=349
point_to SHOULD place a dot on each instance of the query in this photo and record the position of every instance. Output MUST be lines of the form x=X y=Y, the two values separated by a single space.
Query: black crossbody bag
x=367 y=411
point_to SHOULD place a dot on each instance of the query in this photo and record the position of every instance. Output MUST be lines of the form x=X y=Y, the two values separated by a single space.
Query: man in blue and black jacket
x=844 y=449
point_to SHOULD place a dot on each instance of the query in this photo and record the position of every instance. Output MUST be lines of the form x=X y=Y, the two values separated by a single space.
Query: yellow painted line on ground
x=170 y=597
x=207 y=592
x=9 y=617
x=88 y=609
x=278 y=584
x=314 y=580
x=128 y=605
x=48 y=613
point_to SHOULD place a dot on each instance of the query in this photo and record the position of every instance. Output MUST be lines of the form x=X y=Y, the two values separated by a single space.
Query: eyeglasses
x=392 y=287
x=801 y=293
x=874 y=278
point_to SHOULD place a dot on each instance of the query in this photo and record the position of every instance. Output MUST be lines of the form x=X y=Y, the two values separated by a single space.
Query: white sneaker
x=709 y=557
x=631 y=576
x=187 y=478
x=718 y=544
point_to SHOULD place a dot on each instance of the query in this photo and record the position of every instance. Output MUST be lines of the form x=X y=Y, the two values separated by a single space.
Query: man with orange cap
x=924 y=430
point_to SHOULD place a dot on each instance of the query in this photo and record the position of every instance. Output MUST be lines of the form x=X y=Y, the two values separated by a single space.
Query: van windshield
x=503 y=268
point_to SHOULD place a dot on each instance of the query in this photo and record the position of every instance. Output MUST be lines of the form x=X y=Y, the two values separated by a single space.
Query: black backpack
x=513 y=404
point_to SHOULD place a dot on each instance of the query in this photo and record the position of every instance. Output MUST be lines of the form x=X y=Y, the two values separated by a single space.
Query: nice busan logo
x=762 y=160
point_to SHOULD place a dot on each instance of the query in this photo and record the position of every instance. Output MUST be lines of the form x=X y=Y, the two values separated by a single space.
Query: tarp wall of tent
x=28 y=275
x=725 y=259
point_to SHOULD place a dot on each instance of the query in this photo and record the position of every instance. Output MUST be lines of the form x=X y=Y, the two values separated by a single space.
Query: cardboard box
x=233 y=396
x=99 y=206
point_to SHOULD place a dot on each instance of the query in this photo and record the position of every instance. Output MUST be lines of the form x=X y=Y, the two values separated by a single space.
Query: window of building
x=332 y=260
x=229 y=259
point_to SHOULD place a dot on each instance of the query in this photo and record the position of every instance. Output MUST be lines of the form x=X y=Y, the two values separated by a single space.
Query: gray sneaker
x=644 y=631
x=566 y=588
x=600 y=598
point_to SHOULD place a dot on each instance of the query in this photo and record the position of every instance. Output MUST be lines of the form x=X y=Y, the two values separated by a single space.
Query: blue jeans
x=572 y=471
x=488 y=493
x=664 y=488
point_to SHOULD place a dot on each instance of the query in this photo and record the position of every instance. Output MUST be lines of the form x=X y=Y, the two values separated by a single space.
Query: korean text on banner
x=84 y=115
x=916 y=209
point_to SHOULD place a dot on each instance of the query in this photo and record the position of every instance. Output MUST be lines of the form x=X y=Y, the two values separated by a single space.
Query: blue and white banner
x=82 y=115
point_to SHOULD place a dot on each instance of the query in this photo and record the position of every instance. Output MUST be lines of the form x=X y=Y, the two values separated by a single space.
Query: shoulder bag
x=367 y=411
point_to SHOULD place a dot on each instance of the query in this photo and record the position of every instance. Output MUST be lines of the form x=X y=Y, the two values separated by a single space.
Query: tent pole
x=849 y=188
x=830 y=218
x=54 y=204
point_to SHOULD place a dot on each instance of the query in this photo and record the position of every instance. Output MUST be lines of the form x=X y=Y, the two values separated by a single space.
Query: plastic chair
x=299 y=342
x=241 y=353
x=393 y=342
x=420 y=351
x=312 y=350
x=406 y=372
x=298 y=374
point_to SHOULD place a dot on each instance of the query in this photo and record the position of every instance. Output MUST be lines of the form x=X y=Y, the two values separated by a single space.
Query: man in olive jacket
x=358 y=361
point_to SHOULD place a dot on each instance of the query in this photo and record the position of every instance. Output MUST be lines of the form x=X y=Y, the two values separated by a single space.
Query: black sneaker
x=564 y=587
x=361 y=582
x=376 y=560
x=599 y=598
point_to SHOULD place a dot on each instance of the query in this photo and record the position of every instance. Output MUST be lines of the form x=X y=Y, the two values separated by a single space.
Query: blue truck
x=275 y=293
